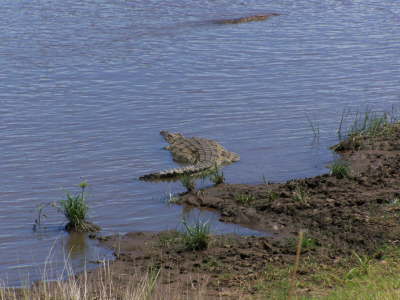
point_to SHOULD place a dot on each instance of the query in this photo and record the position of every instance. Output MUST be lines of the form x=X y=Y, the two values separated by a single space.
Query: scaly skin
x=201 y=154
x=246 y=19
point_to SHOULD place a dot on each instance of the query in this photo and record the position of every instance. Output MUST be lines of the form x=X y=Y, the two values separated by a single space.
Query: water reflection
x=76 y=245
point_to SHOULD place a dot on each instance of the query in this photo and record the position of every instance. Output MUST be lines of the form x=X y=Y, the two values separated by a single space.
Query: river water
x=86 y=86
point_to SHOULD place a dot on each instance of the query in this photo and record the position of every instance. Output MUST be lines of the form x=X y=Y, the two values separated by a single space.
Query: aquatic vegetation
x=197 y=236
x=188 y=182
x=217 y=176
x=366 y=125
x=172 y=198
x=75 y=210
x=314 y=125
x=41 y=214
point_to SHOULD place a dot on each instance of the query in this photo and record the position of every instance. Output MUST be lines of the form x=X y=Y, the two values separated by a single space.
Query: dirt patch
x=224 y=269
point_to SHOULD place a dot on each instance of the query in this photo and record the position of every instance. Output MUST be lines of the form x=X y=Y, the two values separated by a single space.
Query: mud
x=355 y=213
x=359 y=213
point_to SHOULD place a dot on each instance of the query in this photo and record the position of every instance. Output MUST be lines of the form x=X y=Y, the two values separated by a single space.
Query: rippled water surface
x=86 y=86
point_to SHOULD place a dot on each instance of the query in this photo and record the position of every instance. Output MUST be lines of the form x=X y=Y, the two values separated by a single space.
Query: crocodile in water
x=246 y=19
x=201 y=154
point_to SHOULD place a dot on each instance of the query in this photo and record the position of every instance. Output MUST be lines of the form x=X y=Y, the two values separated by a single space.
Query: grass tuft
x=188 y=182
x=271 y=196
x=300 y=195
x=244 y=199
x=364 y=126
x=75 y=210
x=197 y=236
x=340 y=169
x=217 y=176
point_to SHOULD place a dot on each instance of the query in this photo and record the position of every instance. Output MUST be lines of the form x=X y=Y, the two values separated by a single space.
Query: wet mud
x=339 y=216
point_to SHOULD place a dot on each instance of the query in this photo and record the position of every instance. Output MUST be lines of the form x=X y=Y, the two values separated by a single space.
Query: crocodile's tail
x=191 y=169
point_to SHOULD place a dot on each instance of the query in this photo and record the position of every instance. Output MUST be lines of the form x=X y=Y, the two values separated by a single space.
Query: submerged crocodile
x=246 y=19
x=201 y=154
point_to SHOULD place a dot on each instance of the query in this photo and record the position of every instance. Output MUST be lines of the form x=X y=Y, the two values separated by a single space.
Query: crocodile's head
x=171 y=137
x=231 y=157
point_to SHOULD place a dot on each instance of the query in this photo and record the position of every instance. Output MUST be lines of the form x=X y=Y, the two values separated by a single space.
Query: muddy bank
x=355 y=212
x=347 y=217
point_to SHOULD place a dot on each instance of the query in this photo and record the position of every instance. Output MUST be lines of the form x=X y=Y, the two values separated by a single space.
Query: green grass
x=244 y=199
x=369 y=280
x=358 y=277
x=188 y=182
x=197 y=236
x=307 y=243
x=75 y=210
x=217 y=176
x=368 y=124
x=340 y=169
x=271 y=196
x=300 y=195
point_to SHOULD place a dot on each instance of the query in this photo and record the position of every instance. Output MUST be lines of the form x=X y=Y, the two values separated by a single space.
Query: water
x=86 y=86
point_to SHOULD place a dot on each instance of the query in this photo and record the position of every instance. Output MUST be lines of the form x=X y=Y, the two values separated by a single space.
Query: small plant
x=171 y=198
x=75 y=210
x=196 y=237
x=340 y=169
x=41 y=214
x=244 y=199
x=314 y=125
x=307 y=243
x=369 y=124
x=271 y=195
x=217 y=176
x=395 y=201
x=300 y=195
x=188 y=182
x=363 y=268
x=153 y=275
x=264 y=179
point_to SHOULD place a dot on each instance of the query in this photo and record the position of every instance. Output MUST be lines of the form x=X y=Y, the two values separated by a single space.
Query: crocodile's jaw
x=228 y=157
x=234 y=157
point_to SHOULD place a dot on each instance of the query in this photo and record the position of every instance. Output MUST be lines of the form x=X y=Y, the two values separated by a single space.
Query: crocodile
x=200 y=154
x=246 y=19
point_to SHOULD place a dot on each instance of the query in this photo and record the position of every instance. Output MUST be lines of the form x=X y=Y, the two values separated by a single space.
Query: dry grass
x=105 y=287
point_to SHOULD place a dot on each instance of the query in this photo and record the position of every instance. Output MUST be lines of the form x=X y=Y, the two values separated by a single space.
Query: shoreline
x=345 y=216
